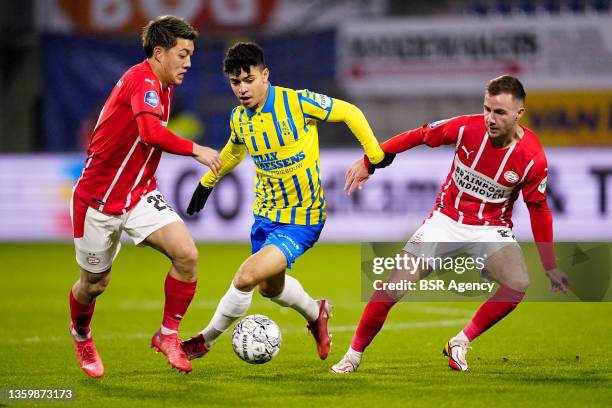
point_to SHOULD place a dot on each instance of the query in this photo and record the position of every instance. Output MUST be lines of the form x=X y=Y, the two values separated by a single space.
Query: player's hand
x=558 y=280
x=356 y=177
x=208 y=157
x=198 y=199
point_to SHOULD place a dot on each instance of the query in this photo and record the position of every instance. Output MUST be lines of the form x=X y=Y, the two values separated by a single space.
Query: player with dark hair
x=495 y=160
x=278 y=127
x=117 y=190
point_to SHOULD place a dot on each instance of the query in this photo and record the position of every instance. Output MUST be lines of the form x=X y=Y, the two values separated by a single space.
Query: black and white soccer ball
x=256 y=339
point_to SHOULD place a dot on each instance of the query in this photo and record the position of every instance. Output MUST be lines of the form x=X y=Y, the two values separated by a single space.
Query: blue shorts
x=292 y=239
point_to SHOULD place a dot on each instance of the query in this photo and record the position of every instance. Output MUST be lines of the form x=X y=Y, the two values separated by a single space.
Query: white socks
x=235 y=304
x=232 y=305
x=79 y=337
x=354 y=356
x=166 y=331
x=461 y=336
x=295 y=297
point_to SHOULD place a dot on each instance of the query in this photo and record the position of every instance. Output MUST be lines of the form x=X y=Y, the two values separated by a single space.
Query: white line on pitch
x=334 y=329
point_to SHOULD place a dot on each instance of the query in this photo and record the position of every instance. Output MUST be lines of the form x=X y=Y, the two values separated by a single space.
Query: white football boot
x=346 y=365
x=456 y=350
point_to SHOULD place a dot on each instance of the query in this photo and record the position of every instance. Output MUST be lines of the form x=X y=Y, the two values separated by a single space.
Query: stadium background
x=402 y=63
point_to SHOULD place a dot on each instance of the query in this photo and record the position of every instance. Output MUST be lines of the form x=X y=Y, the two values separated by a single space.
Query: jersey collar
x=268 y=106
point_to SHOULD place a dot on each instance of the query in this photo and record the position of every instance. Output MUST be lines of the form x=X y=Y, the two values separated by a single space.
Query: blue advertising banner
x=80 y=71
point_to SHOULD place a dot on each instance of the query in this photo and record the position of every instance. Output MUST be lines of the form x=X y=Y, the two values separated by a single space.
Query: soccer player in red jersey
x=117 y=190
x=495 y=160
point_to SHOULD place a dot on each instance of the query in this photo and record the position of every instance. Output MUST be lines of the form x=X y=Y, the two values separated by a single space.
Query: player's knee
x=246 y=279
x=186 y=260
x=520 y=283
x=269 y=291
x=95 y=287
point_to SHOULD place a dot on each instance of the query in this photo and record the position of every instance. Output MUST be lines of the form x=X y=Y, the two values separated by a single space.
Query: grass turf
x=544 y=354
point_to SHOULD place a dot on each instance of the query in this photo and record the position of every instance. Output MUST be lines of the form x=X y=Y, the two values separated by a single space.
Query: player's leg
x=375 y=314
x=287 y=291
x=154 y=223
x=82 y=303
x=293 y=241
x=507 y=267
x=264 y=264
x=174 y=241
x=423 y=243
x=83 y=300
x=96 y=238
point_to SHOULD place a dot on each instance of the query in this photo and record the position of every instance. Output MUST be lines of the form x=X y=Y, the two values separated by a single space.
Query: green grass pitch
x=544 y=354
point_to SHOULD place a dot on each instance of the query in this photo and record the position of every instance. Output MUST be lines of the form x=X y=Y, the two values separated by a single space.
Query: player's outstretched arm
x=541 y=226
x=231 y=155
x=358 y=124
x=153 y=133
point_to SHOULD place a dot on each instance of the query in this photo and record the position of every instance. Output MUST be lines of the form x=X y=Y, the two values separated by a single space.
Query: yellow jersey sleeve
x=323 y=107
x=232 y=154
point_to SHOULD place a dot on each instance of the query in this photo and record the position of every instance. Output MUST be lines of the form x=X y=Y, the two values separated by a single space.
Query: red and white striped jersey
x=120 y=166
x=485 y=181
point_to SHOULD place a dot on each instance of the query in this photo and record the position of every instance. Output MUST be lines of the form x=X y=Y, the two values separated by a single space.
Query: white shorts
x=99 y=234
x=440 y=236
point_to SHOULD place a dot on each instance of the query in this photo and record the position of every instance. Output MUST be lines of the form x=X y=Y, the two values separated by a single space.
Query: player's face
x=175 y=61
x=251 y=88
x=502 y=113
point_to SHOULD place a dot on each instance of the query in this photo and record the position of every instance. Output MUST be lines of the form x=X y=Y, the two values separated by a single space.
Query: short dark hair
x=242 y=56
x=163 y=32
x=507 y=84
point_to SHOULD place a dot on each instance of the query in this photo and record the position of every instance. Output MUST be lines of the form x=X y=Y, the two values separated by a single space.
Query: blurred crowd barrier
x=36 y=191
x=401 y=71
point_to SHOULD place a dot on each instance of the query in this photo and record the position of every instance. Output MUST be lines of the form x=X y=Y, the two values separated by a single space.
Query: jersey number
x=159 y=202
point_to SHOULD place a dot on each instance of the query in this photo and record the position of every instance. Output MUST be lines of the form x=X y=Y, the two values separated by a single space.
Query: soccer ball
x=256 y=339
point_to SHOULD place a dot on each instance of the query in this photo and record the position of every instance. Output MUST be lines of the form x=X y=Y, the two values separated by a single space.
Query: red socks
x=503 y=301
x=81 y=315
x=372 y=319
x=178 y=298
x=493 y=310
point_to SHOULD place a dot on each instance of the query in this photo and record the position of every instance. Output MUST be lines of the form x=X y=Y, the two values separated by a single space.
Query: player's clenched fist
x=208 y=157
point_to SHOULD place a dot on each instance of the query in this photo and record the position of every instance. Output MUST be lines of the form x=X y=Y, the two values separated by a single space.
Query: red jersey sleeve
x=432 y=134
x=443 y=132
x=542 y=228
x=534 y=186
x=153 y=133
x=144 y=95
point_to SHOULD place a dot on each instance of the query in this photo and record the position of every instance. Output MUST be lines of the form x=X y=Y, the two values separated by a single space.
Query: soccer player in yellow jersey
x=277 y=127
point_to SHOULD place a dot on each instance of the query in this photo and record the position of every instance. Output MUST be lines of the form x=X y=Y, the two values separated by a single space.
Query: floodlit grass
x=543 y=354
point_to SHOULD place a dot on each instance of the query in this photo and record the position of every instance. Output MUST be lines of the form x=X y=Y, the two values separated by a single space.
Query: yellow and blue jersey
x=282 y=139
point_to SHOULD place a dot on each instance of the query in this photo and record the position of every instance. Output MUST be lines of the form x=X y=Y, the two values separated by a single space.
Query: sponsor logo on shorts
x=504 y=233
x=291 y=241
x=511 y=177
x=92 y=259
x=416 y=238
x=151 y=99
